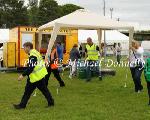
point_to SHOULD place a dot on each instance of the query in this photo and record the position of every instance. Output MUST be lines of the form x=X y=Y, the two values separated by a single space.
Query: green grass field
x=95 y=100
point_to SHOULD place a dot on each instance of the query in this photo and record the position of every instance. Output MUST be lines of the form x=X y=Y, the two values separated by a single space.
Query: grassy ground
x=96 y=100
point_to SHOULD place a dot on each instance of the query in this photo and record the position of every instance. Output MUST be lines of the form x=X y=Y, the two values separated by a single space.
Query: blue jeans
x=136 y=76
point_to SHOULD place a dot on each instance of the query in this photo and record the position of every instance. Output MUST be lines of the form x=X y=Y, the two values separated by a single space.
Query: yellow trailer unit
x=21 y=34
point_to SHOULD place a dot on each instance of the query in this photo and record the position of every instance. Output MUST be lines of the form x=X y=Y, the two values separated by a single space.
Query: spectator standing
x=92 y=53
x=136 y=60
x=118 y=51
x=74 y=56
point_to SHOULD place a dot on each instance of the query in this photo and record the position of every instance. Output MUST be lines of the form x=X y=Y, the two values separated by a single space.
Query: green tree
x=69 y=8
x=13 y=13
x=33 y=12
x=48 y=11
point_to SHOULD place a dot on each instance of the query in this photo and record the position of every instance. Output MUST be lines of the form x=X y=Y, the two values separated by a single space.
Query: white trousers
x=73 y=68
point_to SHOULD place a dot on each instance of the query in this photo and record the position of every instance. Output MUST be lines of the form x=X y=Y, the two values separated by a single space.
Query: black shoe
x=136 y=90
x=51 y=104
x=62 y=84
x=141 y=88
x=149 y=103
x=18 y=106
x=88 y=80
x=100 y=78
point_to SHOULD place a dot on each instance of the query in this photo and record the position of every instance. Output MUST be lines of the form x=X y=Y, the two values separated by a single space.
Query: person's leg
x=137 y=77
x=88 y=71
x=30 y=87
x=48 y=75
x=148 y=88
x=74 y=68
x=118 y=59
x=134 y=80
x=71 y=67
x=41 y=85
x=57 y=76
x=98 y=71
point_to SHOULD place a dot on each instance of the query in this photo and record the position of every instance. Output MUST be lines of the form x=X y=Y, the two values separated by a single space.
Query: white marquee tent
x=83 y=19
x=4 y=35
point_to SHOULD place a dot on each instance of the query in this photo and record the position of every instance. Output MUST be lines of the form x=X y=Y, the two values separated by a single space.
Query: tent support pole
x=99 y=33
x=131 y=33
x=105 y=46
x=39 y=40
x=52 y=40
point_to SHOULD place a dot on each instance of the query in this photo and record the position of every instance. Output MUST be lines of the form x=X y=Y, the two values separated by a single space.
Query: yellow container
x=9 y=54
x=70 y=41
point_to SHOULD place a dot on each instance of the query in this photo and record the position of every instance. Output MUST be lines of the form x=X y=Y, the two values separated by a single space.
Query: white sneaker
x=139 y=91
x=34 y=94
x=70 y=76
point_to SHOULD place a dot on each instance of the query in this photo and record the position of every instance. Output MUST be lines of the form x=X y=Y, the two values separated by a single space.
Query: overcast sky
x=126 y=10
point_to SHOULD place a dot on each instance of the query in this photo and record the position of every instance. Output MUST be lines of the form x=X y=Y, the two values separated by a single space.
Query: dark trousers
x=30 y=87
x=56 y=75
x=148 y=87
x=118 y=59
x=136 y=76
x=92 y=66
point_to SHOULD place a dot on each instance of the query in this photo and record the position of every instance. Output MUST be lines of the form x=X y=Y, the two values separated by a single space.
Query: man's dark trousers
x=118 y=59
x=56 y=75
x=92 y=66
x=30 y=87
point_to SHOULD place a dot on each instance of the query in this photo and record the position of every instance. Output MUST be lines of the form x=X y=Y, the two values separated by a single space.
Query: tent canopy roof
x=87 y=20
x=4 y=35
x=110 y=35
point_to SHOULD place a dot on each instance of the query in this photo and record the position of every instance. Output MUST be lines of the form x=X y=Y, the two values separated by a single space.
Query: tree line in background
x=16 y=13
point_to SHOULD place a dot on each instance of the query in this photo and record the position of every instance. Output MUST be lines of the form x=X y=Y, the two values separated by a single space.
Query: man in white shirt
x=118 y=50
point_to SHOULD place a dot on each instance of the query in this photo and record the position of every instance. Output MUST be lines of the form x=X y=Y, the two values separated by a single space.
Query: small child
x=74 y=56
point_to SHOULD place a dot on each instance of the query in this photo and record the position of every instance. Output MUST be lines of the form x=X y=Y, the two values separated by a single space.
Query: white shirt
x=119 y=50
x=138 y=54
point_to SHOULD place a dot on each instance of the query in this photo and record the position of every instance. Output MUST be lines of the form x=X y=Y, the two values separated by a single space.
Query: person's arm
x=80 y=48
x=62 y=49
x=97 y=48
x=85 y=50
x=140 y=51
x=31 y=65
x=78 y=54
x=52 y=56
x=86 y=53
